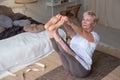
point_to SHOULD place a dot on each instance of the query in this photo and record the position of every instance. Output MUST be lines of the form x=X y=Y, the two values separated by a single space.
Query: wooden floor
x=114 y=75
x=52 y=61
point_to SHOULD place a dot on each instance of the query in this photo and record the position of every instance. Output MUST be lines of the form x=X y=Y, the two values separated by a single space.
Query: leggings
x=69 y=63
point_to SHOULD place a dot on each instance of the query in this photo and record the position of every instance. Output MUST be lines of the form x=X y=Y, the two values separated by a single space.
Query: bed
x=19 y=49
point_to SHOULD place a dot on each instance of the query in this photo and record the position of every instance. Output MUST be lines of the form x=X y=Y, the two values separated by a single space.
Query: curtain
x=108 y=11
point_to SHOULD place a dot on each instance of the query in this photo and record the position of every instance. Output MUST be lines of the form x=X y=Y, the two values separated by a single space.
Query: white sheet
x=23 y=49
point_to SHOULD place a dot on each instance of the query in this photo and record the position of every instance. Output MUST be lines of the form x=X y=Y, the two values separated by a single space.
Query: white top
x=84 y=49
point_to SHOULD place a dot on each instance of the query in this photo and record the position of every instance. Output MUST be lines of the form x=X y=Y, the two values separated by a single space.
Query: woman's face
x=88 y=23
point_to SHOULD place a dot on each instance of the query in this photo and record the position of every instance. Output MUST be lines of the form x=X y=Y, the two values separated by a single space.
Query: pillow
x=5 y=21
x=21 y=22
x=34 y=28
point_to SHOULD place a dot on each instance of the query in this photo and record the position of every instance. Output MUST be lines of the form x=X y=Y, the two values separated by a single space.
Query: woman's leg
x=76 y=68
x=69 y=62
x=63 y=49
x=62 y=57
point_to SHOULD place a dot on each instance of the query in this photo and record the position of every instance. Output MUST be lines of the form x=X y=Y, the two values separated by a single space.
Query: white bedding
x=23 y=49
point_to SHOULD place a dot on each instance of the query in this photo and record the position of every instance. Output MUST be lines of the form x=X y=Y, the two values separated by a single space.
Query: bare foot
x=59 y=16
x=56 y=26
x=66 y=19
x=52 y=21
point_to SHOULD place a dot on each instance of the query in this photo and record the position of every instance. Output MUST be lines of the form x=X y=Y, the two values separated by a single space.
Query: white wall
x=40 y=11
x=107 y=11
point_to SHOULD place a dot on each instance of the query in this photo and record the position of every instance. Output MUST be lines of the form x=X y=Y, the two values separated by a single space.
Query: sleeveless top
x=84 y=49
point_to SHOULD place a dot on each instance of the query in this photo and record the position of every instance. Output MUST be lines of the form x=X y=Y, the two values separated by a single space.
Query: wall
x=40 y=11
x=107 y=11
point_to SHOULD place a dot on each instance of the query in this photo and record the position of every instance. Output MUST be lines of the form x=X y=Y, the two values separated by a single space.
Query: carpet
x=102 y=65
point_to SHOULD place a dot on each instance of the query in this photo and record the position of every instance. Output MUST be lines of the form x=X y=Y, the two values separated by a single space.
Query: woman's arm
x=52 y=29
x=70 y=27
x=69 y=30
x=76 y=28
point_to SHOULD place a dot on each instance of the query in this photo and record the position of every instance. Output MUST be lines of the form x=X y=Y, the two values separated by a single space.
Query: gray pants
x=70 y=64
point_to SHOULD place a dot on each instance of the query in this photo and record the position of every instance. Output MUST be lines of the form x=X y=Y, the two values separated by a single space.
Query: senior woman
x=76 y=58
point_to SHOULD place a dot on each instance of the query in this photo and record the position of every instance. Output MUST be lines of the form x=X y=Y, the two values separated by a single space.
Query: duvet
x=24 y=49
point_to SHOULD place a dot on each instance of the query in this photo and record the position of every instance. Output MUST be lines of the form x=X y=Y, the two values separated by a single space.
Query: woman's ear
x=94 y=23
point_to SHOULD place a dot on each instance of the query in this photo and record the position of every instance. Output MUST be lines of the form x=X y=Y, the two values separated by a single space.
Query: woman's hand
x=66 y=20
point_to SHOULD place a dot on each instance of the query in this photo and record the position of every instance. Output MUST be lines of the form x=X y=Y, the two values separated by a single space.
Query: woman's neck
x=88 y=35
